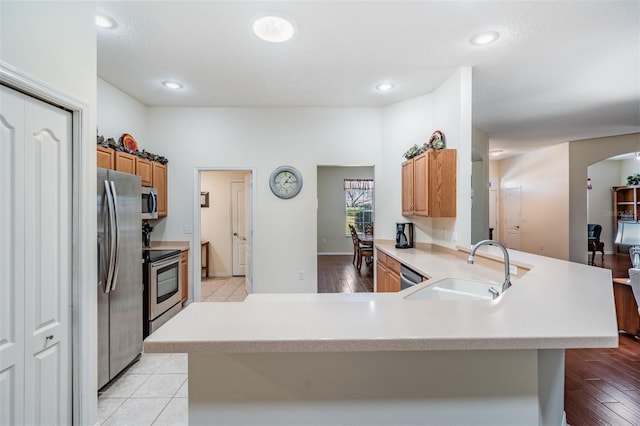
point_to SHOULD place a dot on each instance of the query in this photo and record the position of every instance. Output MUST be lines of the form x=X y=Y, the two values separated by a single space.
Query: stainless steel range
x=162 y=287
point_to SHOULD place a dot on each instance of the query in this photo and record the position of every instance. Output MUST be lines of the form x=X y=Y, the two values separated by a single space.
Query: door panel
x=12 y=340
x=238 y=225
x=512 y=218
x=36 y=140
x=248 y=280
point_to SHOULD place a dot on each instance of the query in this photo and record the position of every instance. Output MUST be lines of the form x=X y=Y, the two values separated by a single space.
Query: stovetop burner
x=155 y=255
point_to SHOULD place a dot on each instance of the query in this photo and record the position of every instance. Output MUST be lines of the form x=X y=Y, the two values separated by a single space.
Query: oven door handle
x=168 y=261
x=116 y=267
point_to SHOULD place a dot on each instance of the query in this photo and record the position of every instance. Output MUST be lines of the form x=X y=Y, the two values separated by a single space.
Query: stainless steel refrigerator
x=119 y=272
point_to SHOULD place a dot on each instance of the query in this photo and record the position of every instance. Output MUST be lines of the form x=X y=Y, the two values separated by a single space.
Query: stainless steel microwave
x=149 y=203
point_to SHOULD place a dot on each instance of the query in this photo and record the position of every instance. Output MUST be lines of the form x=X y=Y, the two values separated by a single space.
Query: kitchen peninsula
x=371 y=358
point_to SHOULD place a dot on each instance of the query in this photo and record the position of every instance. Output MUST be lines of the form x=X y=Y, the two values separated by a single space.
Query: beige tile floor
x=154 y=390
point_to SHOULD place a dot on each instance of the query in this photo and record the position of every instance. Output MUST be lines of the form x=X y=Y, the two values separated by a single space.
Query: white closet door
x=12 y=336
x=41 y=223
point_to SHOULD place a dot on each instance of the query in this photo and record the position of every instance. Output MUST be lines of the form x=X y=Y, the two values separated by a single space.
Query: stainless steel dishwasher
x=409 y=277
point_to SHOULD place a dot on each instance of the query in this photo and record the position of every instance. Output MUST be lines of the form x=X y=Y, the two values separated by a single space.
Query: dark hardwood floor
x=336 y=274
x=602 y=386
x=618 y=263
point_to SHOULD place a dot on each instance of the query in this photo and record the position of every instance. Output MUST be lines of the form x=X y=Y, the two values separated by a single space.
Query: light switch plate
x=187 y=229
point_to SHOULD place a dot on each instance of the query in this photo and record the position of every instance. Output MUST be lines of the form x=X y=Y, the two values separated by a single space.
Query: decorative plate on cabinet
x=129 y=142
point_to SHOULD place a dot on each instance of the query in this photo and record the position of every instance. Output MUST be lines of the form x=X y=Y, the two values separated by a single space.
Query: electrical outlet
x=513 y=269
x=187 y=229
x=324 y=241
x=301 y=275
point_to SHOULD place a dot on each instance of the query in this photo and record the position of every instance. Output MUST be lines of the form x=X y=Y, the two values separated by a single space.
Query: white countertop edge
x=555 y=305
x=386 y=345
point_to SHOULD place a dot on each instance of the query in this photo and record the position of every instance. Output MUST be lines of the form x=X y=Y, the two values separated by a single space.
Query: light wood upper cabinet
x=160 y=183
x=407 y=188
x=429 y=184
x=106 y=158
x=145 y=171
x=152 y=173
x=125 y=162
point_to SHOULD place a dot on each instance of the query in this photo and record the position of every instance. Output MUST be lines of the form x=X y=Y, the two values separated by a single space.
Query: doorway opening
x=223 y=231
x=345 y=197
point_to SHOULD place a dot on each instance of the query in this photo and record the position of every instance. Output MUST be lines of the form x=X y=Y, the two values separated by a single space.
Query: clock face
x=286 y=182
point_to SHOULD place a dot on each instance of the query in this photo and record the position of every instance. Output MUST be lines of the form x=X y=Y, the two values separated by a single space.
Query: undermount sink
x=456 y=289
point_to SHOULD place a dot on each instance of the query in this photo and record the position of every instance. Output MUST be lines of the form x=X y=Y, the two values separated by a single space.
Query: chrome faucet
x=507 y=275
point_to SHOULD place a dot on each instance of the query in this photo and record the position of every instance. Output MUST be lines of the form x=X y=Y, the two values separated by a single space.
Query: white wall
x=604 y=175
x=331 y=207
x=55 y=44
x=261 y=139
x=403 y=125
x=480 y=186
x=583 y=153
x=542 y=176
x=215 y=220
x=130 y=115
x=627 y=168
x=412 y=122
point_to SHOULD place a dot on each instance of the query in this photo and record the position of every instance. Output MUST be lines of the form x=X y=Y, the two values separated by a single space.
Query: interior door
x=35 y=226
x=248 y=280
x=238 y=229
x=512 y=218
x=493 y=213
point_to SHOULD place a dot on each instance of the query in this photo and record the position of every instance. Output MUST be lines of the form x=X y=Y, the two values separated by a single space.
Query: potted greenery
x=633 y=179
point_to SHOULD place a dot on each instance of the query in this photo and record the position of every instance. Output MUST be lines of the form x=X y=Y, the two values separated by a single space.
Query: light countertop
x=168 y=245
x=552 y=304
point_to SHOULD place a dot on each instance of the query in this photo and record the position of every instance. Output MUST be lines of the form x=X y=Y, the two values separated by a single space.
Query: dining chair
x=368 y=229
x=360 y=250
x=593 y=235
x=354 y=238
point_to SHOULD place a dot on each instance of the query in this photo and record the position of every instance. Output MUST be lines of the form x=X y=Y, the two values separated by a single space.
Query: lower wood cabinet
x=184 y=271
x=626 y=307
x=387 y=273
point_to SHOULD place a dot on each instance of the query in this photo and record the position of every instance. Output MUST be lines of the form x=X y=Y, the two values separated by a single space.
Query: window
x=358 y=197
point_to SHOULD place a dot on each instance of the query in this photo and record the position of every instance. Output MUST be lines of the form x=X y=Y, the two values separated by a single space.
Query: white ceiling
x=561 y=70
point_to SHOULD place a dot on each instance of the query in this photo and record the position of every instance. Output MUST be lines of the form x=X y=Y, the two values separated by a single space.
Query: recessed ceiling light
x=384 y=87
x=174 y=85
x=273 y=29
x=496 y=152
x=104 y=21
x=485 y=38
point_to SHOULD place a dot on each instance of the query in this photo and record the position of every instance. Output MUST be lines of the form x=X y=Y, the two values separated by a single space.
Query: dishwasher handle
x=409 y=277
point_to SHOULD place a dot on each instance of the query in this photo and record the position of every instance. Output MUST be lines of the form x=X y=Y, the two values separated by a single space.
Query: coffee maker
x=404 y=235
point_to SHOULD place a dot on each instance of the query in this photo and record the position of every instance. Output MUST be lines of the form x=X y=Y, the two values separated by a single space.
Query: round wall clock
x=285 y=182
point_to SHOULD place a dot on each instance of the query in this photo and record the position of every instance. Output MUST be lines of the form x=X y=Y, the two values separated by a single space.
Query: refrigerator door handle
x=111 y=239
x=117 y=236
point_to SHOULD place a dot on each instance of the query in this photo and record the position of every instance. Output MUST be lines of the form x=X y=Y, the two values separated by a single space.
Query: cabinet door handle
x=49 y=337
